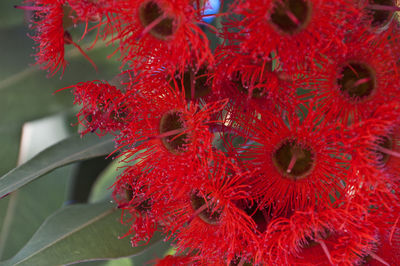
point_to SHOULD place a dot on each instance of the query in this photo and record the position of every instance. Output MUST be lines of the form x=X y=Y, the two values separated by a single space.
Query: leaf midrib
x=95 y=219
x=46 y=169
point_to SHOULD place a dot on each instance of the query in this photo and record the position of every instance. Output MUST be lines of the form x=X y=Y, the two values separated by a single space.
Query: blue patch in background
x=212 y=7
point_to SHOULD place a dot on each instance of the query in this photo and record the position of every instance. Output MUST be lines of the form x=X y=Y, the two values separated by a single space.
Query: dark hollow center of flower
x=256 y=92
x=145 y=205
x=387 y=143
x=142 y=204
x=128 y=193
x=172 y=125
x=208 y=213
x=367 y=259
x=160 y=25
x=291 y=16
x=357 y=81
x=198 y=80
x=380 y=18
x=293 y=160
x=261 y=217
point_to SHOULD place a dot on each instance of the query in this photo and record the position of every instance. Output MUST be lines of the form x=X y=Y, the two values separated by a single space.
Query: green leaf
x=65 y=152
x=156 y=251
x=78 y=233
x=26 y=209
x=10 y=16
x=30 y=203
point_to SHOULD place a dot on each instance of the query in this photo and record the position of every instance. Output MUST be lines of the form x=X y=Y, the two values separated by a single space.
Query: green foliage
x=26 y=209
x=65 y=152
x=78 y=233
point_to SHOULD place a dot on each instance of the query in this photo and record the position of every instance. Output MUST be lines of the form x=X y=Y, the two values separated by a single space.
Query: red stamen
x=393 y=229
x=152 y=25
x=292 y=17
x=167 y=134
x=292 y=163
x=68 y=40
x=388 y=151
x=32 y=8
x=352 y=69
x=326 y=251
x=197 y=212
x=192 y=85
x=376 y=257
x=383 y=7
x=361 y=81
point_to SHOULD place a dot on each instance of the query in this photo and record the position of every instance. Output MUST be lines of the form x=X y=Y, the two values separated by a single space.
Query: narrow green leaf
x=78 y=233
x=148 y=257
x=30 y=203
x=27 y=208
x=65 y=152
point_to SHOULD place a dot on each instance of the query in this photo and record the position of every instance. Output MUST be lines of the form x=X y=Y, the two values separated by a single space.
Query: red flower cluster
x=279 y=147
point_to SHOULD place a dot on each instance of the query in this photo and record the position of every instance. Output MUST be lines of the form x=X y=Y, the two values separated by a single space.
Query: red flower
x=376 y=148
x=164 y=32
x=299 y=162
x=131 y=196
x=173 y=134
x=202 y=216
x=102 y=107
x=50 y=35
x=354 y=82
x=378 y=15
x=387 y=248
x=297 y=31
x=294 y=182
x=53 y=19
x=252 y=83
x=194 y=81
x=334 y=236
